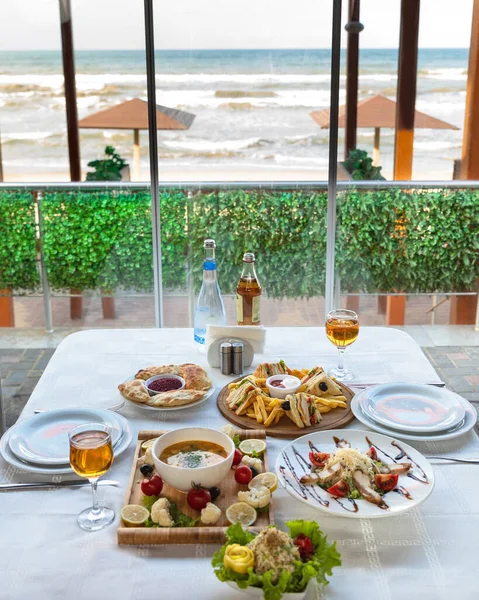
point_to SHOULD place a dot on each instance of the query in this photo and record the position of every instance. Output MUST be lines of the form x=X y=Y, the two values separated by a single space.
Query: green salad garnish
x=320 y=564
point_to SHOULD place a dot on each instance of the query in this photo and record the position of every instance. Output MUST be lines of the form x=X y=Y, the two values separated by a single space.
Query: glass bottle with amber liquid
x=248 y=294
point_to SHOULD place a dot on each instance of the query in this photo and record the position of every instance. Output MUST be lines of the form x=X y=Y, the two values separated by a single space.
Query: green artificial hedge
x=18 y=267
x=388 y=240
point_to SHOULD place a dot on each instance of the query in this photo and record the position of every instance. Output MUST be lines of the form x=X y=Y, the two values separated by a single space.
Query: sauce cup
x=280 y=392
x=181 y=477
x=149 y=381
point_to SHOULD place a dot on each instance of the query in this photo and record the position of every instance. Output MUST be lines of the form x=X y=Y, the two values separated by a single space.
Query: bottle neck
x=248 y=271
x=209 y=265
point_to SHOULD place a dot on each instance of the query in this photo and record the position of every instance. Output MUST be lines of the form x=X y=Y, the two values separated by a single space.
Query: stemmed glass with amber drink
x=91 y=455
x=342 y=329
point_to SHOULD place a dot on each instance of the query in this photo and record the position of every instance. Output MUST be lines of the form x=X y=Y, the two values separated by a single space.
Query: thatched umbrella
x=376 y=112
x=133 y=114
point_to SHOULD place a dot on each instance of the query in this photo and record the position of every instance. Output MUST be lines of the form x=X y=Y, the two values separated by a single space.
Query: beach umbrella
x=377 y=112
x=133 y=114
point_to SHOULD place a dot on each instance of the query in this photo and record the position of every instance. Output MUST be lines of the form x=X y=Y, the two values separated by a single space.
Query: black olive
x=254 y=471
x=323 y=386
x=286 y=405
x=146 y=470
x=214 y=493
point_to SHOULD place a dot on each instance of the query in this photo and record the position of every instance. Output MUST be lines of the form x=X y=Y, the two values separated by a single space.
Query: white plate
x=290 y=468
x=412 y=407
x=208 y=394
x=13 y=460
x=470 y=419
x=256 y=592
x=43 y=438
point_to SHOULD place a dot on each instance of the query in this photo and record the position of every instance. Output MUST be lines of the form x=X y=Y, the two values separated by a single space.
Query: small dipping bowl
x=173 y=382
x=181 y=477
x=280 y=392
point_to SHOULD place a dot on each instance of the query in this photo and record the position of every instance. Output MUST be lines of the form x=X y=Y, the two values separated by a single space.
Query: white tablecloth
x=428 y=554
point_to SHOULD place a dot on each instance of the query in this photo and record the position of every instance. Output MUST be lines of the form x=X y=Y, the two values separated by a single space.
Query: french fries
x=265 y=410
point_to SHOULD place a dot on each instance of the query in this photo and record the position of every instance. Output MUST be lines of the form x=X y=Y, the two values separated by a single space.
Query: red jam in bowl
x=277 y=383
x=165 y=384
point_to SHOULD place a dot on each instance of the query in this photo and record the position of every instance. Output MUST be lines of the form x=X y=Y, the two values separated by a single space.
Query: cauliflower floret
x=160 y=513
x=210 y=514
x=252 y=462
x=229 y=430
x=257 y=497
x=146 y=459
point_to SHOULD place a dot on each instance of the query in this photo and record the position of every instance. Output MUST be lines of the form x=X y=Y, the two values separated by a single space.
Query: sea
x=252 y=108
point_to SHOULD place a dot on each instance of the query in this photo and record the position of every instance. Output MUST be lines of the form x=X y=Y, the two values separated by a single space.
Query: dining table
x=427 y=553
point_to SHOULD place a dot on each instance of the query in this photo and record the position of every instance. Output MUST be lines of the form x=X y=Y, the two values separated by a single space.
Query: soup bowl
x=182 y=477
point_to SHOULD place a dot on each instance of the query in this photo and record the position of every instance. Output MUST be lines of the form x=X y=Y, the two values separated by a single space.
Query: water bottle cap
x=248 y=257
x=209 y=244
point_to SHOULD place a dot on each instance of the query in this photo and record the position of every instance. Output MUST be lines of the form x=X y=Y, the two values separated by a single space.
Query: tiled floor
x=21 y=369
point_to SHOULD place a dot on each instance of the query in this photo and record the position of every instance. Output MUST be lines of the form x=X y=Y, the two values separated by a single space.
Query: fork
x=471 y=461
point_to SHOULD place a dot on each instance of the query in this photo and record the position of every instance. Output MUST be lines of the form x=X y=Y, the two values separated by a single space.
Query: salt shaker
x=225 y=358
x=238 y=358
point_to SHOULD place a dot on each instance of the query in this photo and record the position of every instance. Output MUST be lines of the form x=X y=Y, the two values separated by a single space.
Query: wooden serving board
x=200 y=534
x=334 y=419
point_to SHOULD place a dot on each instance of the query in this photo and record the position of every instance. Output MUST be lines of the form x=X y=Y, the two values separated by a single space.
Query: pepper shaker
x=226 y=358
x=238 y=358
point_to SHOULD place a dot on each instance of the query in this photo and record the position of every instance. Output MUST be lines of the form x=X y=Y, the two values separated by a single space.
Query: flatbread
x=175 y=398
x=135 y=391
x=152 y=371
x=195 y=377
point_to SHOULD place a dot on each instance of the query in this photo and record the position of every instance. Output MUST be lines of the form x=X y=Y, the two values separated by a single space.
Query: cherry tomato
x=340 y=489
x=305 y=546
x=373 y=455
x=153 y=486
x=237 y=457
x=243 y=474
x=318 y=459
x=386 y=482
x=198 y=497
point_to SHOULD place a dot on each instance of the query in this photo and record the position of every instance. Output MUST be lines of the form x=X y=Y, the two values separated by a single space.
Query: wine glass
x=342 y=329
x=91 y=455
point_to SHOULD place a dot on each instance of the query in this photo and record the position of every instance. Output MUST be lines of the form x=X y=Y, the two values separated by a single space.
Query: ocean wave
x=436 y=145
x=30 y=137
x=219 y=146
x=306 y=140
x=244 y=94
x=451 y=73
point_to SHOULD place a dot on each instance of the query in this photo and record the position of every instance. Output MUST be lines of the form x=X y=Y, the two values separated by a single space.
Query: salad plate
x=414 y=408
x=355 y=474
x=256 y=592
x=470 y=419
x=64 y=469
x=43 y=439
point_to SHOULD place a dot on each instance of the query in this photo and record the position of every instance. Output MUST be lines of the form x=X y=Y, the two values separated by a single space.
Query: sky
x=195 y=24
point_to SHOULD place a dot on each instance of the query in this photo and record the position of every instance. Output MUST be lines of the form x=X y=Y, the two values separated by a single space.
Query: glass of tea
x=342 y=329
x=91 y=455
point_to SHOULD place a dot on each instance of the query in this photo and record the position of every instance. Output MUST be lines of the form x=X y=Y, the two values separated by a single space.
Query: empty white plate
x=43 y=438
x=413 y=408
x=470 y=419
x=53 y=470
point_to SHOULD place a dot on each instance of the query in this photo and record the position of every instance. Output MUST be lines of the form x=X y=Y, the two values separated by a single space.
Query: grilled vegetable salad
x=276 y=561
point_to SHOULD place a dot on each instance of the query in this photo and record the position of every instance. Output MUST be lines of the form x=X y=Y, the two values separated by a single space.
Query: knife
x=50 y=484
x=368 y=385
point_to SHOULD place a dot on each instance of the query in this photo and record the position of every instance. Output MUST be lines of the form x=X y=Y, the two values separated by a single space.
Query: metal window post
x=333 y=155
x=153 y=151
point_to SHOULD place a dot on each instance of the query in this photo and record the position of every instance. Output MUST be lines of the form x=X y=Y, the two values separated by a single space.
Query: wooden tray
x=202 y=534
x=336 y=418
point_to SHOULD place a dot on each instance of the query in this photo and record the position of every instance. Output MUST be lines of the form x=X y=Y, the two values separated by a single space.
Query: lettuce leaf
x=324 y=559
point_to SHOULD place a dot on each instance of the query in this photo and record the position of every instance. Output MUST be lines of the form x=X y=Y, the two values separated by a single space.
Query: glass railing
x=80 y=255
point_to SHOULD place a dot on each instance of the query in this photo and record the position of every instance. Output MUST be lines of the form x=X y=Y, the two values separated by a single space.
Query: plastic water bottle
x=210 y=309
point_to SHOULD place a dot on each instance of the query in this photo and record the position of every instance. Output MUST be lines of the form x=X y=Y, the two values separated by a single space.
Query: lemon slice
x=134 y=515
x=268 y=479
x=243 y=513
x=250 y=446
x=148 y=444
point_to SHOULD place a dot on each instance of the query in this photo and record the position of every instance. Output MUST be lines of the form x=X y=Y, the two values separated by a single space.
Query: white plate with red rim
x=412 y=407
x=414 y=487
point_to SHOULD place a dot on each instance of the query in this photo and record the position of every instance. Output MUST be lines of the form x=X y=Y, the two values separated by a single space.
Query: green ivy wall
x=387 y=240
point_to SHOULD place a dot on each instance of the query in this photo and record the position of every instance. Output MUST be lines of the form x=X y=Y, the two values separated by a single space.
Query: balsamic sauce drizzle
x=282 y=469
x=402 y=491
x=305 y=490
x=353 y=502
x=311 y=489
x=402 y=454
x=341 y=443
